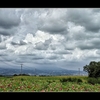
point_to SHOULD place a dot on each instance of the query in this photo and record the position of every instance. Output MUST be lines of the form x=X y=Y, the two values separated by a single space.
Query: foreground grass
x=47 y=84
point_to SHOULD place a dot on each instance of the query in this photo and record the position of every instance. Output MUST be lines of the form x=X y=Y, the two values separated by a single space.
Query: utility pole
x=79 y=71
x=21 y=69
x=35 y=71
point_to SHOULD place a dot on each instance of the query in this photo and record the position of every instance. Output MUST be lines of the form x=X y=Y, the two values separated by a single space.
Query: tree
x=93 y=69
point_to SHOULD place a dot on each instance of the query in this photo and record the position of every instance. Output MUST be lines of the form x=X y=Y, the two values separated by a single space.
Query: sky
x=50 y=38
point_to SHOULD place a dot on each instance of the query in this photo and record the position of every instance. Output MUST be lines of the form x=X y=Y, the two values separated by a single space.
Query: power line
x=5 y=62
x=8 y=63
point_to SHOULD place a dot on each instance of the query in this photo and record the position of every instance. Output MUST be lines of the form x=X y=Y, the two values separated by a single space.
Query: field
x=47 y=84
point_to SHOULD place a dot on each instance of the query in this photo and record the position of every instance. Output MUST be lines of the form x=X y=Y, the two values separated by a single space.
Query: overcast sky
x=49 y=37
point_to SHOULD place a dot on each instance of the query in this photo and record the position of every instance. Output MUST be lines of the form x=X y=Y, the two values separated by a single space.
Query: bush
x=23 y=75
x=15 y=75
x=22 y=79
x=1 y=75
x=65 y=79
x=92 y=80
x=79 y=80
x=71 y=80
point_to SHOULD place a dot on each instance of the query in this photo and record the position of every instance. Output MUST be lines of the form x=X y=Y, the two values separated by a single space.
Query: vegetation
x=49 y=84
x=21 y=75
x=43 y=83
x=93 y=69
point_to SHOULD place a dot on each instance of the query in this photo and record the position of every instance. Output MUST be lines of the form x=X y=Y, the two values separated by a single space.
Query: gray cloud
x=96 y=10
x=63 y=52
x=43 y=46
x=98 y=52
x=30 y=54
x=94 y=43
x=20 y=43
x=53 y=22
x=53 y=47
x=55 y=28
x=9 y=18
x=4 y=33
x=47 y=37
x=53 y=57
x=37 y=58
x=2 y=46
x=8 y=32
x=2 y=54
x=43 y=62
x=86 y=46
x=48 y=41
x=90 y=20
x=0 y=39
x=14 y=43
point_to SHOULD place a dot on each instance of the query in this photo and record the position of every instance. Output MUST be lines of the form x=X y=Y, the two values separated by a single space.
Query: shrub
x=79 y=80
x=64 y=79
x=71 y=80
x=15 y=75
x=98 y=79
x=92 y=80
x=22 y=79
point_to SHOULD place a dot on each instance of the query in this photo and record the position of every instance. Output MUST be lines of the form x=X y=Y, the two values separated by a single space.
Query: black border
x=50 y=96
x=50 y=4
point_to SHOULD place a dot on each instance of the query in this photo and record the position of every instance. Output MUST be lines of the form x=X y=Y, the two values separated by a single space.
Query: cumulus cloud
x=19 y=43
x=41 y=46
x=52 y=21
x=56 y=37
x=90 y=20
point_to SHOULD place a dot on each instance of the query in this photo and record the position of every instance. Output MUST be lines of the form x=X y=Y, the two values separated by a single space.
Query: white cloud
x=56 y=37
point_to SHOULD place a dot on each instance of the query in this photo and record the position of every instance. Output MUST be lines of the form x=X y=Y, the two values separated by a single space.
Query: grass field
x=47 y=84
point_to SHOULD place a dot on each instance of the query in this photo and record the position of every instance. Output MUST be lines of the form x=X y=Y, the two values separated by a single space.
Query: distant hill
x=10 y=71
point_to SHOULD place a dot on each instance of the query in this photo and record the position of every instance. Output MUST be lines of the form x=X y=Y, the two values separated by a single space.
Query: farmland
x=48 y=84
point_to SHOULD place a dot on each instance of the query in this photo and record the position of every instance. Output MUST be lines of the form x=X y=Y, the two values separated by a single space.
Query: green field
x=47 y=84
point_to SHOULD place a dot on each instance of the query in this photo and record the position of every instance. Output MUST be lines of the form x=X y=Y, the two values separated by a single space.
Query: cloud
x=2 y=46
x=43 y=45
x=54 y=28
x=52 y=57
x=63 y=52
x=8 y=32
x=90 y=20
x=97 y=10
x=52 y=21
x=4 y=33
x=19 y=43
x=50 y=37
x=0 y=39
x=89 y=44
x=3 y=54
x=9 y=18
x=37 y=58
